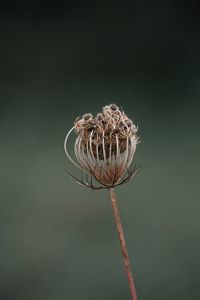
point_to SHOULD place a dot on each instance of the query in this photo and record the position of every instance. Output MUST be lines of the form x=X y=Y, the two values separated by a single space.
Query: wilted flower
x=105 y=147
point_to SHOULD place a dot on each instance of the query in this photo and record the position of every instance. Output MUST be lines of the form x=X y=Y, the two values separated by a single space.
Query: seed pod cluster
x=105 y=130
x=104 y=147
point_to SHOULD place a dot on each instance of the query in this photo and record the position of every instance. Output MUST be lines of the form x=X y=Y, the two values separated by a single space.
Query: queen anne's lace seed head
x=105 y=145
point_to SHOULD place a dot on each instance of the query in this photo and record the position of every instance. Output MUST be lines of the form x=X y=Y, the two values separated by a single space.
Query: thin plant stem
x=123 y=244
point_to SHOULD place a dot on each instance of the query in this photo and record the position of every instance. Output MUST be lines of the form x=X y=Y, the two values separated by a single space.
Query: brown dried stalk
x=123 y=244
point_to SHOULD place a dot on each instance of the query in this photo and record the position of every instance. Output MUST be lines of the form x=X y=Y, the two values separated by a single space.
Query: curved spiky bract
x=105 y=147
x=65 y=147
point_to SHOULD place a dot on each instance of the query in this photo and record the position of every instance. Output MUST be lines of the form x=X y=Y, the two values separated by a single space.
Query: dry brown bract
x=105 y=147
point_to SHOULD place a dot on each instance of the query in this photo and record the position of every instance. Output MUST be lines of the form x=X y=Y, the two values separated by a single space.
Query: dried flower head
x=105 y=147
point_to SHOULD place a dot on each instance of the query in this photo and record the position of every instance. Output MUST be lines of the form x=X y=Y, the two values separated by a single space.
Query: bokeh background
x=59 y=60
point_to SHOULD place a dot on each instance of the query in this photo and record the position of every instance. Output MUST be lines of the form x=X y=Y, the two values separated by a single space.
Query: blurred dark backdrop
x=60 y=60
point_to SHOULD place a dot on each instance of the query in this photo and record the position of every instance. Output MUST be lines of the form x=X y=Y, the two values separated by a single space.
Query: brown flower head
x=105 y=147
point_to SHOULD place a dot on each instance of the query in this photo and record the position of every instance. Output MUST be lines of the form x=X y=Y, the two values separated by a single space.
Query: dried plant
x=104 y=150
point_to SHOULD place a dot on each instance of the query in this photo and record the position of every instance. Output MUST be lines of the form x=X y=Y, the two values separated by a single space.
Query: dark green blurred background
x=60 y=60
